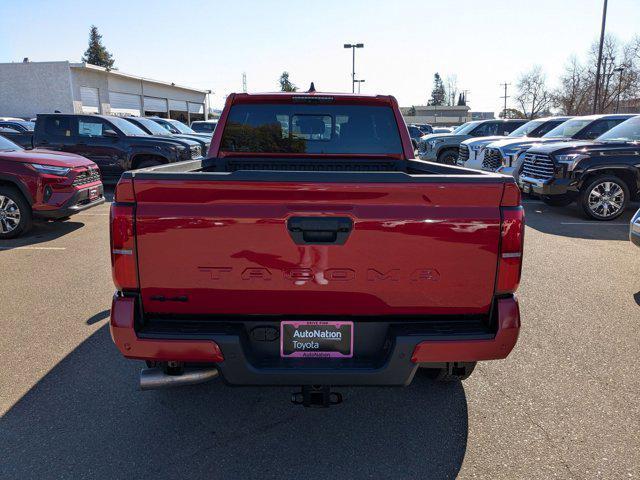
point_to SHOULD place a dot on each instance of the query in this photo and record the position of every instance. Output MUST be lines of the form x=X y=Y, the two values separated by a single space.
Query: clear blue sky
x=208 y=44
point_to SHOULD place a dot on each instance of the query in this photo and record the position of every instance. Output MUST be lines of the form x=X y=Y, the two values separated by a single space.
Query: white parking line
x=33 y=248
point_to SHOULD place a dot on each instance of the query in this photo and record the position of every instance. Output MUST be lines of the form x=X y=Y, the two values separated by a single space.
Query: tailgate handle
x=319 y=230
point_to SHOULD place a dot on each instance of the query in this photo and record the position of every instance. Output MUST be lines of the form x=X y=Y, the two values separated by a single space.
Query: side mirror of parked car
x=110 y=134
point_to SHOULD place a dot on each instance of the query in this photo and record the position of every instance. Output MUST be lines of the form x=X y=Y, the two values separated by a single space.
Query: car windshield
x=8 y=145
x=627 y=131
x=128 y=128
x=568 y=129
x=526 y=129
x=465 y=128
x=181 y=127
x=206 y=127
x=152 y=126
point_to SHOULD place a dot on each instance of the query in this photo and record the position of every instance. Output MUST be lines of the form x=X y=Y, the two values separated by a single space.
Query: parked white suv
x=472 y=152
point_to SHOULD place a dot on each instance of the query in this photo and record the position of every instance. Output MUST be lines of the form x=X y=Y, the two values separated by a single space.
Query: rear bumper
x=404 y=346
x=78 y=202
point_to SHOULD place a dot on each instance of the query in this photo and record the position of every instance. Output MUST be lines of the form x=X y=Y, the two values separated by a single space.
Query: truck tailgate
x=241 y=247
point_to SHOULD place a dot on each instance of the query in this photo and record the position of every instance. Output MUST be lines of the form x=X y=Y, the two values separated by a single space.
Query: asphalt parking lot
x=563 y=405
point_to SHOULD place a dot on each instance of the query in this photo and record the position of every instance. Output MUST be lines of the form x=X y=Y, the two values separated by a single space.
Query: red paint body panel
x=476 y=350
x=414 y=248
x=125 y=338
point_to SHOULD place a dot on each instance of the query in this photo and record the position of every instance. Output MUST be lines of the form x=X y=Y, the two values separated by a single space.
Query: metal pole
x=353 y=69
x=504 y=110
x=597 y=87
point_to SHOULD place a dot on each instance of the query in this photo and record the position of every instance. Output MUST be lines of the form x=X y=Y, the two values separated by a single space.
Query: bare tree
x=620 y=79
x=574 y=95
x=533 y=96
x=452 y=89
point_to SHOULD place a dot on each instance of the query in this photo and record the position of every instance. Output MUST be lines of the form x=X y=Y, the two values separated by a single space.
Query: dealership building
x=29 y=88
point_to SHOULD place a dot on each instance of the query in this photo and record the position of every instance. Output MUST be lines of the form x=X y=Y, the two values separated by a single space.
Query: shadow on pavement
x=98 y=317
x=86 y=418
x=571 y=222
x=42 y=232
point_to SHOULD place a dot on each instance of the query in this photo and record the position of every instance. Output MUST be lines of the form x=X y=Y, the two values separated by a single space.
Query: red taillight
x=123 y=247
x=511 y=243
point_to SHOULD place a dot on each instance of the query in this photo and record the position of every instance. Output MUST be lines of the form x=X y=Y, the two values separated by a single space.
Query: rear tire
x=15 y=213
x=557 y=200
x=605 y=198
x=448 y=157
x=452 y=372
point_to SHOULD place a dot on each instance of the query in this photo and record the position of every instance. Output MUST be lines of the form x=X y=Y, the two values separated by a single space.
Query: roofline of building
x=96 y=68
x=89 y=66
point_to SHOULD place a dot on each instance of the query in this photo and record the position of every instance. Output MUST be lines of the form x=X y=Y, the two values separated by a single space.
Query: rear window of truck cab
x=304 y=128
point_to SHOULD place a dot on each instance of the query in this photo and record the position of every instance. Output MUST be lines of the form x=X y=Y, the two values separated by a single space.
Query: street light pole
x=359 y=82
x=353 y=47
x=597 y=86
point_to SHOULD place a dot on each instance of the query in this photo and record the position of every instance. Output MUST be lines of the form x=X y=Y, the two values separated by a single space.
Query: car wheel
x=15 y=213
x=557 y=200
x=452 y=372
x=605 y=198
x=448 y=157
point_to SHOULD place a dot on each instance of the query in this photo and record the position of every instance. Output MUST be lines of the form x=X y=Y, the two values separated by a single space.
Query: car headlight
x=51 y=170
x=435 y=141
x=570 y=160
x=476 y=148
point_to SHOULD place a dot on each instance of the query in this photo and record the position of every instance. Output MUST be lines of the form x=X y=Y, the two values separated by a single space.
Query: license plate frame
x=93 y=193
x=311 y=332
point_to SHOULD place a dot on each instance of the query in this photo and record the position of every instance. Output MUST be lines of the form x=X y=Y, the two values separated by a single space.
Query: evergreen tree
x=96 y=53
x=438 y=94
x=285 y=83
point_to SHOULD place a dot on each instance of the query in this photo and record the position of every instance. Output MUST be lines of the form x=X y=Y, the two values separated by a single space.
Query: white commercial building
x=29 y=88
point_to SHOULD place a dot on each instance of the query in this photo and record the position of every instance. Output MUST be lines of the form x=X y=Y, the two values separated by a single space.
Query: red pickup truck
x=311 y=249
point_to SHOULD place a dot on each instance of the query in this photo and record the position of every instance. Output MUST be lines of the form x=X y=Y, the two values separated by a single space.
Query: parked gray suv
x=443 y=147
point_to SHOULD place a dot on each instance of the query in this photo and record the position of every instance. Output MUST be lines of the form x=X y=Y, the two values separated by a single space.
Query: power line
x=505 y=96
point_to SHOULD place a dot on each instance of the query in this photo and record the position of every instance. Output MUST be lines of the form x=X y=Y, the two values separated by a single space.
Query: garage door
x=124 y=103
x=90 y=100
x=152 y=104
x=178 y=105
x=196 y=108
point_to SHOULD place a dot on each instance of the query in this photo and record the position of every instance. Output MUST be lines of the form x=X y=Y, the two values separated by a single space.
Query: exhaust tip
x=156 y=378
